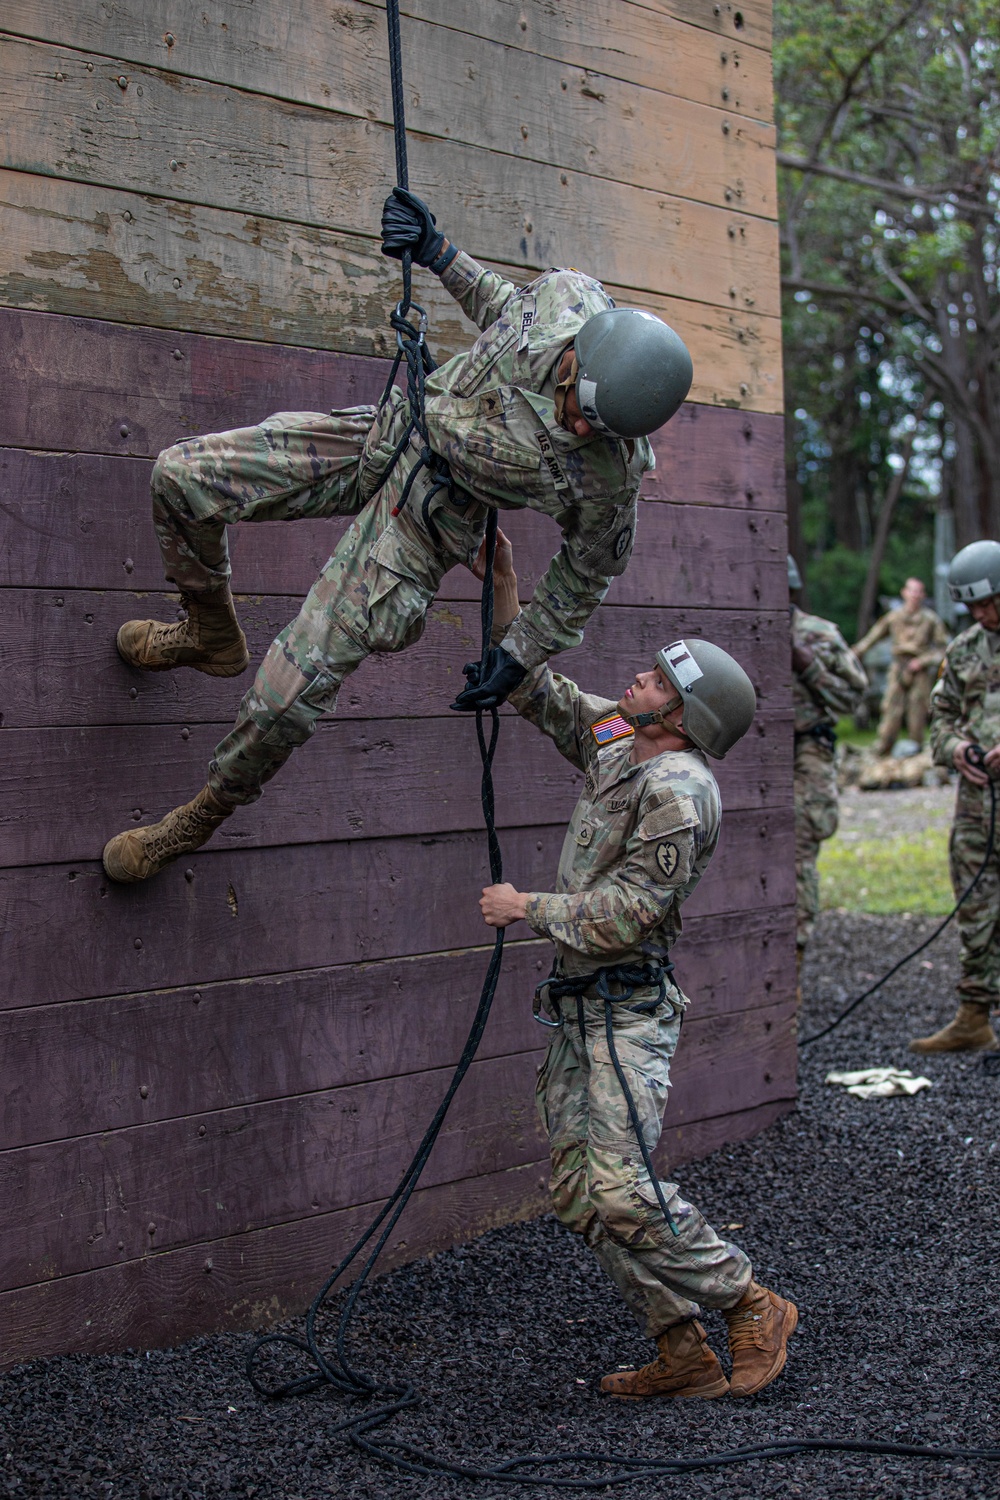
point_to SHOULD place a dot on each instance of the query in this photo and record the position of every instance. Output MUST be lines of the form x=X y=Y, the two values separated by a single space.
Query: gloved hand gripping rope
x=331 y=1368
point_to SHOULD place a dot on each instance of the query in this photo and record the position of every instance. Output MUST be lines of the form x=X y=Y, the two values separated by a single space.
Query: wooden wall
x=208 y=1081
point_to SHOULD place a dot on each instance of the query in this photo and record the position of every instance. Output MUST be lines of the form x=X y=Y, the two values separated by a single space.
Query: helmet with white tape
x=634 y=371
x=718 y=696
x=975 y=573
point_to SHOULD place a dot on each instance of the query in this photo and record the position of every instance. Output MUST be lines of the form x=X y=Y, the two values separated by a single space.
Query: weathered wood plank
x=83 y=384
x=102 y=253
x=89 y=1201
x=73 y=520
x=69 y=116
x=249 y=1280
x=85 y=681
x=345 y=65
x=367 y=779
x=310 y=906
x=111 y=1063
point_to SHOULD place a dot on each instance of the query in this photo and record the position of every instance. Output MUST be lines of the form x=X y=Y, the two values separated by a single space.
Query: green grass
x=850 y=734
x=887 y=876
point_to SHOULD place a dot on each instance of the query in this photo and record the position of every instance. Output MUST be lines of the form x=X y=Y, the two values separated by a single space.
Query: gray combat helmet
x=975 y=573
x=718 y=696
x=794 y=576
x=634 y=372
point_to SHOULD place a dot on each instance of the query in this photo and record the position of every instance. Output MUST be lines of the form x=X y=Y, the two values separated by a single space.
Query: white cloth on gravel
x=880 y=1083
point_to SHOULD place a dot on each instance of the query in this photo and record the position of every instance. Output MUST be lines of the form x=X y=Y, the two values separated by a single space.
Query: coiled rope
x=331 y=1367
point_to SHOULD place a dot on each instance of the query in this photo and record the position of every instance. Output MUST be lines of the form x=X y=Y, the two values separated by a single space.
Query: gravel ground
x=865 y=815
x=878 y=1219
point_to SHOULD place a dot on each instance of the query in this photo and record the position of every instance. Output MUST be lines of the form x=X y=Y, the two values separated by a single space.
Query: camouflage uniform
x=490 y=412
x=640 y=839
x=831 y=685
x=965 y=705
x=907 y=698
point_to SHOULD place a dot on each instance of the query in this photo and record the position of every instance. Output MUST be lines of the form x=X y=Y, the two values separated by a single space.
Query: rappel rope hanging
x=331 y=1368
x=976 y=757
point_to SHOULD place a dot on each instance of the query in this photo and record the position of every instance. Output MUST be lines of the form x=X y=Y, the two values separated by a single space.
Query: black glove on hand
x=408 y=224
x=488 y=690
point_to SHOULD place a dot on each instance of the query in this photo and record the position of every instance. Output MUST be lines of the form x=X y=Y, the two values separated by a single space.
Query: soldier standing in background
x=918 y=639
x=639 y=841
x=548 y=410
x=965 y=716
x=827 y=681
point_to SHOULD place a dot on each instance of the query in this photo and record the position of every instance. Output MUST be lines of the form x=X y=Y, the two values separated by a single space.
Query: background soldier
x=827 y=681
x=639 y=841
x=965 y=713
x=918 y=639
x=549 y=409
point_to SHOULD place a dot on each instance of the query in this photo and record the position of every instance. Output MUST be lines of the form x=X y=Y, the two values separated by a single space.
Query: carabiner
x=536 y=1008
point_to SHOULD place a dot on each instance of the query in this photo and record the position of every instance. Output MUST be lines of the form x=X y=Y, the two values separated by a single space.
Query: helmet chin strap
x=655 y=716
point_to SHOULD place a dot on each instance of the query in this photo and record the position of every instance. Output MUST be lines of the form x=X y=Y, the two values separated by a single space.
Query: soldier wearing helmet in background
x=549 y=410
x=827 y=681
x=965 y=721
x=638 y=843
x=918 y=639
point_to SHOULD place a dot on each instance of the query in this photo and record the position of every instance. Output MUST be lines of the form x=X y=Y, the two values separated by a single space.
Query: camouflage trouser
x=815 y=820
x=599 y=1184
x=978 y=917
x=372 y=595
x=904 y=702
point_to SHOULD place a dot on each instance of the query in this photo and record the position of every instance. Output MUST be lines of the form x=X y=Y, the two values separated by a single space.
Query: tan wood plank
x=750 y=23
x=201 y=143
x=97 y=252
x=345 y=66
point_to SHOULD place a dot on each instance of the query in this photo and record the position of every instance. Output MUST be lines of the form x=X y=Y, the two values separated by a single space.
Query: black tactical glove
x=408 y=224
x=490 y=688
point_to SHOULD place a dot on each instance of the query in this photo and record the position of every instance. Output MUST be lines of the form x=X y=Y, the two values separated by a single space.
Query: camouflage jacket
x=920 y=634
x=965 y=701
x=491 y=414
x=834 y=680
x=638 y=842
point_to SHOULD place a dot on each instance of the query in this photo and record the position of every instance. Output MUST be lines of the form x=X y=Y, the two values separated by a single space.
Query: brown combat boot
x=760 y=1326
x=210 y=639
x=139 y=853
x=969 y=1032
x=685 y=1366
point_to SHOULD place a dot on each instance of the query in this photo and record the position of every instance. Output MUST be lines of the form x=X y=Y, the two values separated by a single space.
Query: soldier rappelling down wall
x=827 y=681
x=549 y=409
x=918 y=639
x=965 y=712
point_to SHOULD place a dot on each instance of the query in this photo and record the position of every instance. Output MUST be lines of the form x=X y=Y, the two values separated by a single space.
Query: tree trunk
x=869 y=594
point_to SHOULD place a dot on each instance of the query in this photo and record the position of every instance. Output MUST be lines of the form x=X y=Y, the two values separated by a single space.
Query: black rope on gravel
x=992 y=1065
x=332 y=1368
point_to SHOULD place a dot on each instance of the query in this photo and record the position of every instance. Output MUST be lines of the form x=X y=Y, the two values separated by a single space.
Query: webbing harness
x=331 y=1367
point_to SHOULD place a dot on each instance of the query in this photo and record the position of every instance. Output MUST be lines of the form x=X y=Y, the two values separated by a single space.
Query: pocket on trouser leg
x=299 y=720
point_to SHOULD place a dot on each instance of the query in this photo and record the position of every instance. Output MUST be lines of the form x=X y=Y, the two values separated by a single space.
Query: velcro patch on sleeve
x=668 y=816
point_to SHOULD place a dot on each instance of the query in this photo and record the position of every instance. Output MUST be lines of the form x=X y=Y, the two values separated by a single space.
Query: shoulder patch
x=669 y=817
x=612 y=727
x=667 y=859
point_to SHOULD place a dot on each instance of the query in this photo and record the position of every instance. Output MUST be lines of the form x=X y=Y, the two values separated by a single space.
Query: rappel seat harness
x=331 y=1367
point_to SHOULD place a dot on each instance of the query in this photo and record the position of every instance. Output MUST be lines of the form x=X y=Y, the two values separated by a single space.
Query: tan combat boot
x=210 y=639
x=685 y=1366
x=969 y=1032
x=760 y=1326
x=139 y=853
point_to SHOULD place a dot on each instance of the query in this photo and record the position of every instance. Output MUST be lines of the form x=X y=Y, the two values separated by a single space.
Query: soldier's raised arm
x=408 y=224
x=878 y=632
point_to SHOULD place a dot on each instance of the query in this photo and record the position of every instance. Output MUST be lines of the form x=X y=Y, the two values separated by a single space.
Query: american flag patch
x=614 y=727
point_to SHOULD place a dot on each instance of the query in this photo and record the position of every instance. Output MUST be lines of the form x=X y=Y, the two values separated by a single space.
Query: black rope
x=866 y=994
x=332 y=1367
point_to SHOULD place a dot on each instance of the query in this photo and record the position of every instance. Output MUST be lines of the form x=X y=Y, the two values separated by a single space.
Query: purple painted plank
x=85 y=682
x=134 y=1059
x=359 y=779
x=82 y=521
x=80 y=384
x=217 y=1174
x=310 y=905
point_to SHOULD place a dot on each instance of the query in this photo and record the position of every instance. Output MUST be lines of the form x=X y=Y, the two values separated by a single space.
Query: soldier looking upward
x=549 y=409
x=918 y=639
x=965 y=713
x=638 y=843
x=827 y=681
